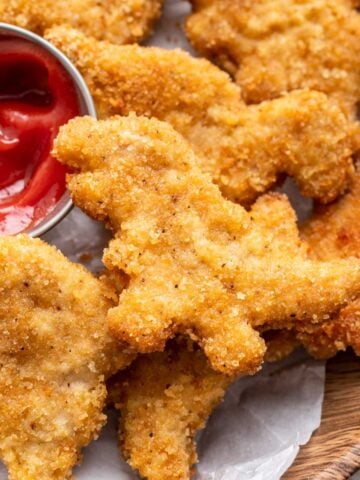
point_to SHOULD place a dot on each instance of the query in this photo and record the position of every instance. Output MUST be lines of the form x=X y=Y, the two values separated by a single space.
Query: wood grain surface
x=333 y=452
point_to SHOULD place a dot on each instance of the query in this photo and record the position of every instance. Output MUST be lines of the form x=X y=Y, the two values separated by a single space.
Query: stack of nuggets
x=196 y=286
x=196 y=264
x=245 y=149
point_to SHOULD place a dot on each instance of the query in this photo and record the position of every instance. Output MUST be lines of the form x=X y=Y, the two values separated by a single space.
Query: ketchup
x=37 y=96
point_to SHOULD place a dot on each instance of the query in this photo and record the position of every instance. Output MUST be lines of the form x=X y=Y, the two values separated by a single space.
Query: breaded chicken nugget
x=164 y=399
x=197 y=263
x=276 y=46
x=246 y=150
x=55 y=353
x=334 y=232
x=120 y=21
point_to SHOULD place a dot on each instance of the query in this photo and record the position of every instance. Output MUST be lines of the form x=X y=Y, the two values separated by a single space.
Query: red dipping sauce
x=37 y=96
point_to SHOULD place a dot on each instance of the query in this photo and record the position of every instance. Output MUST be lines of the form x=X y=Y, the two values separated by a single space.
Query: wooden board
x=333 y=452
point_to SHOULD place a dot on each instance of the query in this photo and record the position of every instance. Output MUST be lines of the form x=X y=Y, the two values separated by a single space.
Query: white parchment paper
x=255 y=434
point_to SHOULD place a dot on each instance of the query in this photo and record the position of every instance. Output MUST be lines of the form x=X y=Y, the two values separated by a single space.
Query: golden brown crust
x=245 y=150
x=119 y=21
x=276 y=46
x=279 y=344
x=339 y=333
x=164 y=399
x=55 y=351
x=334 y=232
x=197 y=264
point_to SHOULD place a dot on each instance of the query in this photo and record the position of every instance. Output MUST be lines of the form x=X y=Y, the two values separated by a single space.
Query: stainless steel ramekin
x=87 y=107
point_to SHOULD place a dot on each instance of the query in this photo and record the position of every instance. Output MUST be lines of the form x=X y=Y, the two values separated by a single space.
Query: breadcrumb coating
x=245 y=150
x=279 y=344
x=55 y=353
x=164 y=399
x=276 y=46
x=334 y=232
x=197 y=263
x=119 y=21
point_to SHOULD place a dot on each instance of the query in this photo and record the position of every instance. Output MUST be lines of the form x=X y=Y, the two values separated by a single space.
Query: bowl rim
x=65 y=204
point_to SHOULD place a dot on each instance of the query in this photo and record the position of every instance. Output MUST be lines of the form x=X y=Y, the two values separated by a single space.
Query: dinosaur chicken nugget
x=164 y=399
x=246 y=150
x=197 y=263
x=55 y=354
x=276 y=46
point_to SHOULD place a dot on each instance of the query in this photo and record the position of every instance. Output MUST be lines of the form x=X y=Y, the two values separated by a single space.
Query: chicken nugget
x=245 y=150
x=276 y=46
x=334 y=232
x=164 y=399
x=120 y=21
x=197 y=264
x=55 y=353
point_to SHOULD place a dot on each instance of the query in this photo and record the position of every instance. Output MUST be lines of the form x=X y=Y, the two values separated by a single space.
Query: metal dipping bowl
x=87 y=107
